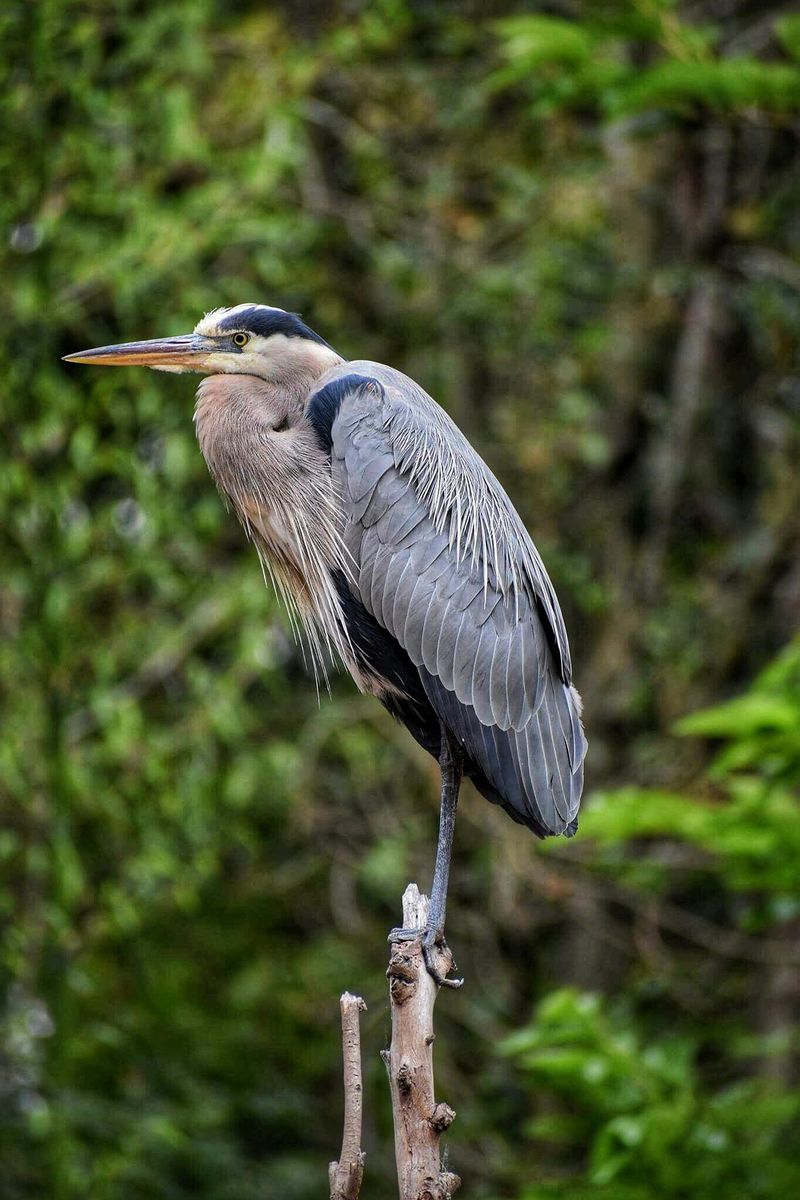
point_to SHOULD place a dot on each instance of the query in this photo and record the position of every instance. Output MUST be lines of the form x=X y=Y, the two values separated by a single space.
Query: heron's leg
x=451 y=759
x=450 y=764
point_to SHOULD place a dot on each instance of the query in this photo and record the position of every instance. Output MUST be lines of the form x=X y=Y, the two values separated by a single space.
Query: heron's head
x=250 y=339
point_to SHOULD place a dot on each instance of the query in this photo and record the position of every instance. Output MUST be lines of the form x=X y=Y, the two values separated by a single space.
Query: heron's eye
x=240 y=339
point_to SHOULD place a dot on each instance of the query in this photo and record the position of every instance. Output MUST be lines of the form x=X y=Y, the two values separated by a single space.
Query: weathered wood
x=344 y=1176
x=418 y=1120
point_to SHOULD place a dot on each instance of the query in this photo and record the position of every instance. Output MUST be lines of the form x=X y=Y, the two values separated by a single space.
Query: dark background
x=577 y=225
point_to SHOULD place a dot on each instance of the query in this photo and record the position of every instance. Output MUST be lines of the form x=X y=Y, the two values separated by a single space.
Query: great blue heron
x=394 y=546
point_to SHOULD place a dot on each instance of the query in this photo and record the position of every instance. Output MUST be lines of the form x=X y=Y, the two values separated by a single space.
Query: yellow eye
x=240 y=339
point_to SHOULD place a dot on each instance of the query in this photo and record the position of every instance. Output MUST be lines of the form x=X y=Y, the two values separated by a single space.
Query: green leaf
x=744 y=715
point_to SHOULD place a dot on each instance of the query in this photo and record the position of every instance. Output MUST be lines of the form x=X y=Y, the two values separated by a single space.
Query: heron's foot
x=403 y=935
x=433 y=945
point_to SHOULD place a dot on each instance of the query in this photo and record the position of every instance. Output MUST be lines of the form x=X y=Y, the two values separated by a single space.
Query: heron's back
x=448 y=602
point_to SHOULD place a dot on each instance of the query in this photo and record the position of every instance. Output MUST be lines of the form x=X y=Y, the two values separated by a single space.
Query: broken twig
x=344 y=1176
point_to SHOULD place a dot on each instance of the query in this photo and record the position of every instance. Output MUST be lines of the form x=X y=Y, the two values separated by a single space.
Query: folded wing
x=443 y=563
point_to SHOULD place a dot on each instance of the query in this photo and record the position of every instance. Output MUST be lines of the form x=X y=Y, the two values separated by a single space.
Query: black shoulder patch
x=325 y=404
x=265 y=321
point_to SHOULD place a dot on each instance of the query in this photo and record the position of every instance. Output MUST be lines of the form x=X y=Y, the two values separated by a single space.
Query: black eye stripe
x=257 y=319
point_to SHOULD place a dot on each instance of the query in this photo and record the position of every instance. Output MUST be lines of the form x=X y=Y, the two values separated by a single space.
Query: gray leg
x=451 y=758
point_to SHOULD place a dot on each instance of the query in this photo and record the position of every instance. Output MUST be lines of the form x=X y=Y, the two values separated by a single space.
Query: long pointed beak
x=188 y=351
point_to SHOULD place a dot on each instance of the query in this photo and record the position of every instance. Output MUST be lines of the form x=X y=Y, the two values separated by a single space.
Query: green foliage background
x=577 y=225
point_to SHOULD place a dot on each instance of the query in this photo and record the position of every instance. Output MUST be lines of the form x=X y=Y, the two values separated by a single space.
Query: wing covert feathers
x=446 y=566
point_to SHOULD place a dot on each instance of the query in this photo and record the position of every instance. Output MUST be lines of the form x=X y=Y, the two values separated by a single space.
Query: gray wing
x=444 y=564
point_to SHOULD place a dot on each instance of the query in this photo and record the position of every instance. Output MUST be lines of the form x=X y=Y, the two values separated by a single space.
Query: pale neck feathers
x=268 y=465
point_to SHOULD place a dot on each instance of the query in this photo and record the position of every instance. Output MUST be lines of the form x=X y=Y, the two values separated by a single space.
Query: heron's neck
x=296 y=369
x=269 y=465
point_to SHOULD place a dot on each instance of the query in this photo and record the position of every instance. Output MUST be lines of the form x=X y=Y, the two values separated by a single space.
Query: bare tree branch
x=418 y=1120
x=344 y=1176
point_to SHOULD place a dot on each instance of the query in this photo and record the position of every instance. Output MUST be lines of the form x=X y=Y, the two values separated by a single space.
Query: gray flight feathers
x=445 y=565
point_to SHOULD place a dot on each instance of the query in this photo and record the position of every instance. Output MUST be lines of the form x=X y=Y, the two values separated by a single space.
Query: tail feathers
x=536 y=773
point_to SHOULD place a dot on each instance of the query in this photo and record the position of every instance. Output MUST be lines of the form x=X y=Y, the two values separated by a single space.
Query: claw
x=433 y=939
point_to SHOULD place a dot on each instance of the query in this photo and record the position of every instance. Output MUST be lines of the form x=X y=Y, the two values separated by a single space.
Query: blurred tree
x=577 y=225
x=650 y=1119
